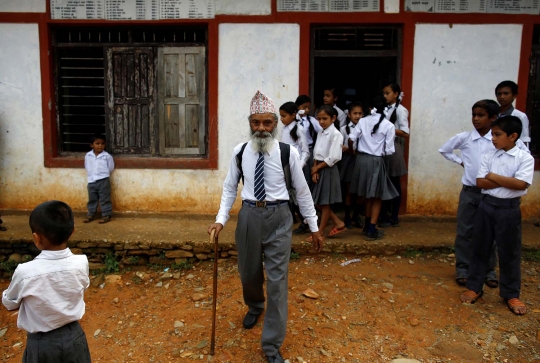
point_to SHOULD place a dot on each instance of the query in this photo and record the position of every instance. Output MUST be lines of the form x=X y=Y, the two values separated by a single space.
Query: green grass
x=186 y=265
x=295 y=256
x=8 y=266
x=111 y=263
x=532 y=256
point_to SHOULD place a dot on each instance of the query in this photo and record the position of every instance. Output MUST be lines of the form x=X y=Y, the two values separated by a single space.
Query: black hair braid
x=393 y=117
x=294 y=132
x=376 y=127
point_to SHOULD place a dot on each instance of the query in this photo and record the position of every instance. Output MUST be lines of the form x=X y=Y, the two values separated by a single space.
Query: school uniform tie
x=260 y=193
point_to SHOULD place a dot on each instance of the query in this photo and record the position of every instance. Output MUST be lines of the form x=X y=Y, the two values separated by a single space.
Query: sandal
x=335 y=231
x=492 y=284
x=516 y=306
x=88 y=219
x=105 y=219
x=461 y=281
x=471 y=297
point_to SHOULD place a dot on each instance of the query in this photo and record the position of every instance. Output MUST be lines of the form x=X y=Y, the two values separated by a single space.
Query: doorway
x=357 y=61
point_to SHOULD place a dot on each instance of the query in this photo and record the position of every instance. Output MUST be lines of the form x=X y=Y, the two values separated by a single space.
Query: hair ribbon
x=373 y=111
x=401 y=96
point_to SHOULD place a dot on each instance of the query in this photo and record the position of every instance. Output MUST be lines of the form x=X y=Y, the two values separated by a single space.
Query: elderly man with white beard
x=265 y=222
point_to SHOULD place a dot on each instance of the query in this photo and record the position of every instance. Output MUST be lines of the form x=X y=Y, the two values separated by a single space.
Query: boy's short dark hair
x=333 y=89
x=509 y=124
x=510 y=84
x=97 y=137
x=492 y=108
x=53 y=220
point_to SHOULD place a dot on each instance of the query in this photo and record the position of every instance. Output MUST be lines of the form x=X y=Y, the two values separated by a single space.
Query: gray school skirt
x=347 y=167
x=328 y=189
x=395 y=163
x=370 y=179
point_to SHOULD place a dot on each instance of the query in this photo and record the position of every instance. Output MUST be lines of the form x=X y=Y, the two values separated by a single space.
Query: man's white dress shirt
x=274 y=182
x=48 y=290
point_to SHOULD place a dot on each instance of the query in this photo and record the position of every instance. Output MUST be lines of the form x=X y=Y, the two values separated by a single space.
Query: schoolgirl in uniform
x=310 y=126
x=293 y=135
x=395 y=163
x=324 y=173
x=355 y=112
x=372 y=138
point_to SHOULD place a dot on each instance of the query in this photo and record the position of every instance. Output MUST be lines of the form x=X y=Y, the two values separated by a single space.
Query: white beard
x=262 y=144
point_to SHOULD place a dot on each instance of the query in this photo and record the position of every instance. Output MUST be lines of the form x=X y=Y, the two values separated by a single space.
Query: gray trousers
x=99 y=191
x=464 y=245
x=269 y=231
x=66 y=344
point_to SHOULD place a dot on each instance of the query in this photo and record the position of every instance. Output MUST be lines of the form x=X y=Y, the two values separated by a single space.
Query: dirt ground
x=373 y=310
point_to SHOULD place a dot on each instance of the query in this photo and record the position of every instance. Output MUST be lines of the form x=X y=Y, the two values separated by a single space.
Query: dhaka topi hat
x=261 y=103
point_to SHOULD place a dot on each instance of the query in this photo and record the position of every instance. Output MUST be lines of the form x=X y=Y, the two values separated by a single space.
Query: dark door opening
x=357 y=61
x=533 y=94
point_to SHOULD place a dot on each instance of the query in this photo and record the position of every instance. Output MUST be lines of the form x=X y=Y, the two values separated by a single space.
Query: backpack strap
x=285 y=155
x=239 y=163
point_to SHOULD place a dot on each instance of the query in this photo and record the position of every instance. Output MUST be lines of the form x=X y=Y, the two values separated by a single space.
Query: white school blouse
x=514 y=163
x=274 y=182
x=328 y=146
x=341 y=116
x=380 y=143
x=304 y=122
x=402 y=117
x=301 y=144
x=48 y=290
x=98 y=167
x=472 y=147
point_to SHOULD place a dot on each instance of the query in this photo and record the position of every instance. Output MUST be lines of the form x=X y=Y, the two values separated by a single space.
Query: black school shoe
x=389 y=223
x=374 y=235
x=302 y=229
x=276 y=358
x=250 y=320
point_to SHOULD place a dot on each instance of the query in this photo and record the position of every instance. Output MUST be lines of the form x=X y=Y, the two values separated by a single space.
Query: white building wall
x=243 y=7
x=22 y=6
x=454 y=66
x=250 y=58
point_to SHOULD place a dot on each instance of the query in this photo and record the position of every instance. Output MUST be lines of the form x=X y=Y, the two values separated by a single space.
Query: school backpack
x=285 y=154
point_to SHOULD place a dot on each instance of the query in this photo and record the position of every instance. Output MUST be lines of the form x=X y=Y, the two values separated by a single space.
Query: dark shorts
x=66 y=344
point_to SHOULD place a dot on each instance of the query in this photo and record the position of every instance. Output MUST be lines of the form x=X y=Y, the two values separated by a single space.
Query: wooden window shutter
x=182 y=100
x=130 y=100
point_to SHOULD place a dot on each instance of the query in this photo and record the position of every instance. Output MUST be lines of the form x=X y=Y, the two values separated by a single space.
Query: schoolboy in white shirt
x=49 y=290
x=506 y=93
x=99 y=165
x=504 y=176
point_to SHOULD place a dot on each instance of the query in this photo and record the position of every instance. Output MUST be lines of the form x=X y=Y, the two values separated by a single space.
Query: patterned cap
x=261 y=103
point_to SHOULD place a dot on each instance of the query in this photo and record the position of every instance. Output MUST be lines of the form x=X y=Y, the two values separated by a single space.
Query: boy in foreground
x=504 y=176
x=49 y=290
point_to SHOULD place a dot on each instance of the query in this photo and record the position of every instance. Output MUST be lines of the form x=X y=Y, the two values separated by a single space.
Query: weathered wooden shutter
x=182 y=100
x=130 y=100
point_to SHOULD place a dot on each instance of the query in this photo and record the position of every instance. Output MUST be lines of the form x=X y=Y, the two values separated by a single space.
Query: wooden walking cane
x=214 y=239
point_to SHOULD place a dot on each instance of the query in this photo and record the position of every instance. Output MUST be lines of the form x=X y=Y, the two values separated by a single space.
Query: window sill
x=131 y=162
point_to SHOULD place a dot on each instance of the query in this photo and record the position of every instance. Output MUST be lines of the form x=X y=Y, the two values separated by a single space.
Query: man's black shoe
x=250 y=320
x=275 y=359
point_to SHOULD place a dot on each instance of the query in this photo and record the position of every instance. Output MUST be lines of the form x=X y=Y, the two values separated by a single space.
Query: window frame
x=53 y=158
